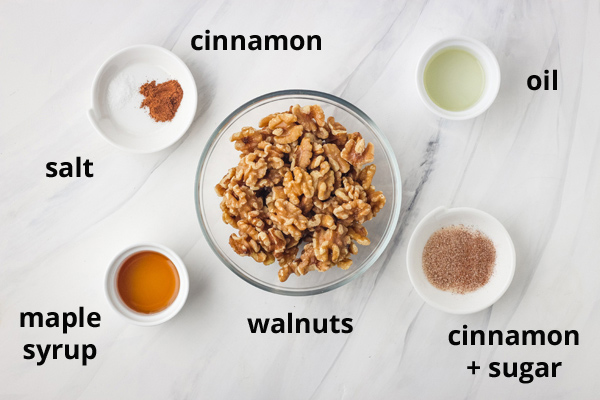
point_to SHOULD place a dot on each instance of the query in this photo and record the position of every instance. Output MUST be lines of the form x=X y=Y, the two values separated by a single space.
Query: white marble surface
x=531 y=161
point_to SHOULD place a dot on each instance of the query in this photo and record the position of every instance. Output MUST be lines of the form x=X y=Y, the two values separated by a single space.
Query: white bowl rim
x=393 y=166
x=117 y=303
x=92 y=112
x=476 y=47
x=479 y=214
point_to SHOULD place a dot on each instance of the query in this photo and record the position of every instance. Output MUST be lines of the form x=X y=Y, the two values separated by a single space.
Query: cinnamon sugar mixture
x=459 y=259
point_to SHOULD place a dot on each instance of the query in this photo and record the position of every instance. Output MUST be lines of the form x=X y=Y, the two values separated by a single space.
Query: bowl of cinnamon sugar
x=143 y=99
x=460 y=260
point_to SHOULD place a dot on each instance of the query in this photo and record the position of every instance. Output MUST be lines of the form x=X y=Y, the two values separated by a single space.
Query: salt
x=124 y=91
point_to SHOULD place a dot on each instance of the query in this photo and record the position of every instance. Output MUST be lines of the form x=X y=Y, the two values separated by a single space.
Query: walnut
x=336 y=128
x=299 y=183
x=376 y=200
x=240 y=200
x=316 y=112
x=345 y=263
x=229 y=219
x=309 y=262
x=321 y=166
x=354 y=211
x=272 y=240
x=271 y=259
x=332 y=244
x=324 y=220
x=326 y=207
x=258 y=219
x=322 y=133
x=288 y=218
x=284 y=272
x=265 y=121
x=289 y=135
x=275 y=176
x=310 y=117
x=303 y=117
x=247 y=140
x=226 y=182
x=277 y=193
x=358 y=233
x=248 y=229
x=337 y=183
x=335 y=158
x=353 y=248
x=275 y=121
x=286 y=261
x=316 y=162
x=253 y=168
x=356 y=152
x=288 y=255
x=285 y=148
x=246 y=246
x=323 y=183
x=272 y=154
x=350 y=191
x=243 y=245
x=306 y=204
x=365 y=177
x=303 y=154
x=339 y=135
x=291 y=242
x=317 y=149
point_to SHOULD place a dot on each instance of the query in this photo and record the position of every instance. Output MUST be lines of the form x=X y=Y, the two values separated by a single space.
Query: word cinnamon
x=459 y=259
x=162 y=100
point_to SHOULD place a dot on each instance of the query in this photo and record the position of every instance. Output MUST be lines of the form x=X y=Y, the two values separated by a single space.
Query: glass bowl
x=219 y=155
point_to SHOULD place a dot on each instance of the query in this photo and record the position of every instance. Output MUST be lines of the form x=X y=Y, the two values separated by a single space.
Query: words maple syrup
x=148 y=282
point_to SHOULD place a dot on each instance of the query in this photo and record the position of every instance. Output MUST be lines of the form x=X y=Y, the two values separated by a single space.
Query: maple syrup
x=148 y=282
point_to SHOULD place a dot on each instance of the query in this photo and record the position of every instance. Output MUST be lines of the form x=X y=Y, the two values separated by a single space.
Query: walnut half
x=356 y=152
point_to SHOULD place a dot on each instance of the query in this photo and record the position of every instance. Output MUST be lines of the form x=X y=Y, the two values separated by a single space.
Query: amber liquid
x=148 y=282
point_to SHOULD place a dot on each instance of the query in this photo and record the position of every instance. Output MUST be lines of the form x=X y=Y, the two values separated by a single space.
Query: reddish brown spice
x=459 y=259
x=162 y=100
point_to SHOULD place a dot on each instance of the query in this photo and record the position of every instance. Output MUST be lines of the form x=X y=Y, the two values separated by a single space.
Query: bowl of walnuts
x=298 y=192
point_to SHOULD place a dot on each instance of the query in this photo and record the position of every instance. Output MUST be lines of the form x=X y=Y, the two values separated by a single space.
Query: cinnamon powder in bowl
x=162 y=100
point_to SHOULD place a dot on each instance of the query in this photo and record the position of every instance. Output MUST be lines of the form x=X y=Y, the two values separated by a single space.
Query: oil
x=454 y=79
x=148 y=282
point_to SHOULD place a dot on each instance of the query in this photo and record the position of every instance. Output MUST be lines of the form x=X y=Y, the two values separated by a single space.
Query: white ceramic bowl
x=490 y=67
x=116 y=112
x=480 y=299
x=110 y=286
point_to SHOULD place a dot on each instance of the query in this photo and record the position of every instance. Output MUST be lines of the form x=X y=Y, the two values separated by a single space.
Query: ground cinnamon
x=162 y=100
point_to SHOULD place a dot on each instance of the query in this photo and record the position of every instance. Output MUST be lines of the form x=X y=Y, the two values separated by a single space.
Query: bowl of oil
x=147 y=284
x=458 y=78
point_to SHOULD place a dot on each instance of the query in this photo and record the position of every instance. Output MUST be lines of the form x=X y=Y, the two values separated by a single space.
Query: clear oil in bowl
x=454 y=79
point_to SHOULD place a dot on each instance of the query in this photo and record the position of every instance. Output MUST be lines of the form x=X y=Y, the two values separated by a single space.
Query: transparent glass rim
x=327 y=98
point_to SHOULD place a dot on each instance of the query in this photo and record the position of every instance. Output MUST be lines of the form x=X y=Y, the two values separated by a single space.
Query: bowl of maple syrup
x=147 y=284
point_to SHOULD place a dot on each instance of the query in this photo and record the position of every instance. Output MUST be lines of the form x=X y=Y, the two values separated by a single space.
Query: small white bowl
x=110 y=286
x=485 y=296
x=491 y=71
x=116 y=112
